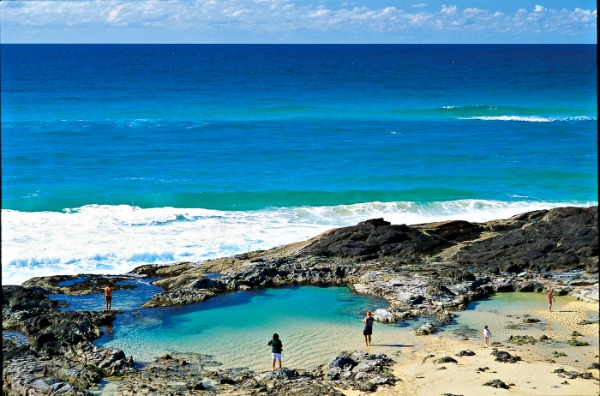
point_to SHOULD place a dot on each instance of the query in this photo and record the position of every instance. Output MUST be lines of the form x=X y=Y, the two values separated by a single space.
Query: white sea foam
x=116 y=239
x=530 y=118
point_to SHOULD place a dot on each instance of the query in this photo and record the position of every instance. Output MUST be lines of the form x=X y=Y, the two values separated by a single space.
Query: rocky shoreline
x=425 y=269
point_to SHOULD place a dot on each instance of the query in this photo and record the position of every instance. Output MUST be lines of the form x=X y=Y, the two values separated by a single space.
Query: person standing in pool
x=551 y=298
x=276 y=349
x=108 y=292
x=368 y=330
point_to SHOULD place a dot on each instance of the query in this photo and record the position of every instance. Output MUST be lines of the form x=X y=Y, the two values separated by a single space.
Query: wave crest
x=116 y=239
x=530 y=118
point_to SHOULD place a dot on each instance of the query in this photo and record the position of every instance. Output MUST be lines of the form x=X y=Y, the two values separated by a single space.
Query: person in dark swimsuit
x=368 y=330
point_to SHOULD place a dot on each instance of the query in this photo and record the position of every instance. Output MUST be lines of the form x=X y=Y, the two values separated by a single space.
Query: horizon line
x=241 y=43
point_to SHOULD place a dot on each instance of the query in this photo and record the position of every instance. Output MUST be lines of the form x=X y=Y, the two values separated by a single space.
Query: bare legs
x=368 y=340
x=279 y=360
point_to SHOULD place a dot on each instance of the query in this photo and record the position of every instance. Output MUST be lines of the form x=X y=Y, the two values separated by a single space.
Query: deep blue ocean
x=115 y=156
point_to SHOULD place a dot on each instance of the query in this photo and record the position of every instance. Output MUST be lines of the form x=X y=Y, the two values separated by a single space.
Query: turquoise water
x=125 y=300
x=314 y=323
x=115 y=156
x=503 y=310
x=493 y=311
x=504 y=314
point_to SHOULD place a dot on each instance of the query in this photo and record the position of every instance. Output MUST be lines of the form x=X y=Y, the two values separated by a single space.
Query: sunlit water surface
x=314 y=323
x=506 y=313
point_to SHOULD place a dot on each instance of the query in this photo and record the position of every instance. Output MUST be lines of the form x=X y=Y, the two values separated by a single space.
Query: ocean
x=114 y=156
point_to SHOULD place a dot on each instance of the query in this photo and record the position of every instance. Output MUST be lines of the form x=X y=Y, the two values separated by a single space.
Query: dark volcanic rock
x=361 y=371
x=342 y=363
x=456 y=230
x=521 y=340
x=426 y=269
x=178 y=297
x=179 y=373
x=376 y=238
x=18 y=298
x=169 y=376
x=496 y=383
x=576 y=342
x=83 y=284
x=446 y=359
x=505 y=357
x=573 y=374
x=543 y=240
x=58 y=356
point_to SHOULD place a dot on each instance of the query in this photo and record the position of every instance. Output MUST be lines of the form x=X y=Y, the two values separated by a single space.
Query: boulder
x=376 y=237
x=383 y=315
x=496 y=383
x=547 y=240
x=505 y=357
x=426 y=329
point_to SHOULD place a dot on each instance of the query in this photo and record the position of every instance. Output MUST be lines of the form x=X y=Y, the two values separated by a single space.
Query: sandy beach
x=534 y=375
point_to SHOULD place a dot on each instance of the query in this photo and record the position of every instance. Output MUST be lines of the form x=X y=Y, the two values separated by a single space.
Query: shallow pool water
x=123 y=300
x=506 y=314
x=314 y=323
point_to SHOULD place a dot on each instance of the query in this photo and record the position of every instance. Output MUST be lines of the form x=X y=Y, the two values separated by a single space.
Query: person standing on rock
x=108 y=292
x=551 y=298
x=368 y=330
x=276 y=348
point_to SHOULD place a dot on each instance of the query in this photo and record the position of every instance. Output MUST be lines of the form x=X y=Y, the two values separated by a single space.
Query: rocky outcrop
x=178 y=297
x=546 y=240
x=361 y=371
x=505 y=357
x=187 y=373
x=377 y=238
x=497 y=383
x=426 y=329
x=58 y=355
x=419 y=269
x=573 y=374
x=82 y=284
x=423 y=269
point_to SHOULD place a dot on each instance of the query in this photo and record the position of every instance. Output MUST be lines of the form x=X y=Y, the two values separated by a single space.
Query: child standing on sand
x=486 y=335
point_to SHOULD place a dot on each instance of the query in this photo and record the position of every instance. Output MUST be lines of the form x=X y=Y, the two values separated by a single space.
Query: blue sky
x=295 y=21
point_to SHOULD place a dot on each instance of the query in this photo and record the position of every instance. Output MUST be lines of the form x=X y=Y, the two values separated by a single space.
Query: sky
x=299 y=21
